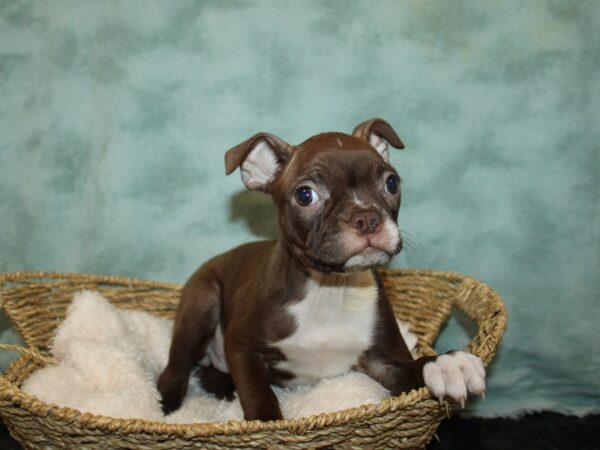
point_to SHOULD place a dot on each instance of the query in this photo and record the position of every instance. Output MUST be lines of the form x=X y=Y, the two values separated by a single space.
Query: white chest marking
x=335 y=323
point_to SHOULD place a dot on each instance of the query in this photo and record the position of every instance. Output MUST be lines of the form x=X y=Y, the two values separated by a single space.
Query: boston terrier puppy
x=309 y=305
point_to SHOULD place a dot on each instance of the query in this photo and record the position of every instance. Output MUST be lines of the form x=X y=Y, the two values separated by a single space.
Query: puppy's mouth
x=371 y=255
x=366 y=254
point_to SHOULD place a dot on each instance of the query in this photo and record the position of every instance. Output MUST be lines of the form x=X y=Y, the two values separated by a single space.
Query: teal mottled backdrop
x=114 y=117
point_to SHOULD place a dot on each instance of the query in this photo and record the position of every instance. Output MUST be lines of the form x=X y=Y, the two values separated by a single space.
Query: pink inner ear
x=260 y=166
x=380 y=145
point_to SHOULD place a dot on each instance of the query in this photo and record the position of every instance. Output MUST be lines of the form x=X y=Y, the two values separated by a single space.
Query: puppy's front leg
x=389 y=361
x=251 y=381
x=454 y=374
x=194 y=327
x=395 y=374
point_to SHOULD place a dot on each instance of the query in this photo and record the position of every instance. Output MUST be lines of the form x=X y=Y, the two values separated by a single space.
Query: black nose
x=366 y=222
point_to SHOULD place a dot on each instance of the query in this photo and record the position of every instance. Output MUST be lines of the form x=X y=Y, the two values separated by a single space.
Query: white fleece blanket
x=109 y=360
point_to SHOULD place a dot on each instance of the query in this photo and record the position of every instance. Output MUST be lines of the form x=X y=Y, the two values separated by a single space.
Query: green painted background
x=114 y=117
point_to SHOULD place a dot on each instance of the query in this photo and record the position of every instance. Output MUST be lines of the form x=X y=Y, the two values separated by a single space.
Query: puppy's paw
x=455 y=375
x=172 y=389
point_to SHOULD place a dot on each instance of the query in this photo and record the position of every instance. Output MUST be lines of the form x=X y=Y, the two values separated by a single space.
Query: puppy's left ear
x=260 y=160
x=376 y=132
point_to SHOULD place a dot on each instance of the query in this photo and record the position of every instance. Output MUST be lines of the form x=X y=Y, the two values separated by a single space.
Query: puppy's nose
x=366 y=222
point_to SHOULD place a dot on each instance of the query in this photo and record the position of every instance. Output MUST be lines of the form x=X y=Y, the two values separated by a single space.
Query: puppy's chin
x=369 y=257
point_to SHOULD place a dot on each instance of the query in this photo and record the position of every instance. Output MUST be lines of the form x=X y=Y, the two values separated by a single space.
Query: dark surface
x=548 y=431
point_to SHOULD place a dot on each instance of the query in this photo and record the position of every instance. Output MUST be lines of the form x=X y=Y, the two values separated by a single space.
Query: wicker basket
x=36 y=303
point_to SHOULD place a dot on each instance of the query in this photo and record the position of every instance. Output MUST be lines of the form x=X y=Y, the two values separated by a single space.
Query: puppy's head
x=337 y=195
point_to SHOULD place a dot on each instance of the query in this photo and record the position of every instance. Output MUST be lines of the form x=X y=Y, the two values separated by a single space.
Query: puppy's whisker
x=411 y=242
x=408 y=246
x=408 y=234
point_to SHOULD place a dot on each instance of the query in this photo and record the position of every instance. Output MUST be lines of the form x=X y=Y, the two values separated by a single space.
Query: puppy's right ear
x=377 y=132
x=260 y=159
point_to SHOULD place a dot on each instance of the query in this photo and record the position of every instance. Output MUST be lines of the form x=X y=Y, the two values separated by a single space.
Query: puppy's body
x=320 y=327
x=333 y=325
x=309 y=305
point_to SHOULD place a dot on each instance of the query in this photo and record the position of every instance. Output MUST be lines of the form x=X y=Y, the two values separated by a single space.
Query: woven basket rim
x=102 y=278
x=125 y=280
x=37 y=407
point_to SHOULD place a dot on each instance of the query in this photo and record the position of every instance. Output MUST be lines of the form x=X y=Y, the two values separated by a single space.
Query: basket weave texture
x=36 y=303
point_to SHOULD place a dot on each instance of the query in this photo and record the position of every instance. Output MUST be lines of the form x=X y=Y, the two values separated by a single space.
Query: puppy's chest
x=334 y=325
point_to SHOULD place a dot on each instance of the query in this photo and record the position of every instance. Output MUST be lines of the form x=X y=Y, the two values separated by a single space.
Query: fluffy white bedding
x=109 y=360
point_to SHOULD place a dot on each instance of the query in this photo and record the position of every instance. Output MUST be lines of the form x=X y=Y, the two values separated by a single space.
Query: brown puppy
x=308 y=305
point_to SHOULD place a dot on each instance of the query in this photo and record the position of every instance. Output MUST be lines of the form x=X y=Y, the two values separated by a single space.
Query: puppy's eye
x=392 y=184
x=305 y=195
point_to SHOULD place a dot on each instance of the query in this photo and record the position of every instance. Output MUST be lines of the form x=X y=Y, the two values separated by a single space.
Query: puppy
x=309 y=305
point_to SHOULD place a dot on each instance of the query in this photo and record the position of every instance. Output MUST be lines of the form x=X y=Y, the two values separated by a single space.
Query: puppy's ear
x=259 y=158
x=376 y=132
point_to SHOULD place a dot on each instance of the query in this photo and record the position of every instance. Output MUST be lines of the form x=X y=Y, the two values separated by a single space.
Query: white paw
x=455 y=375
